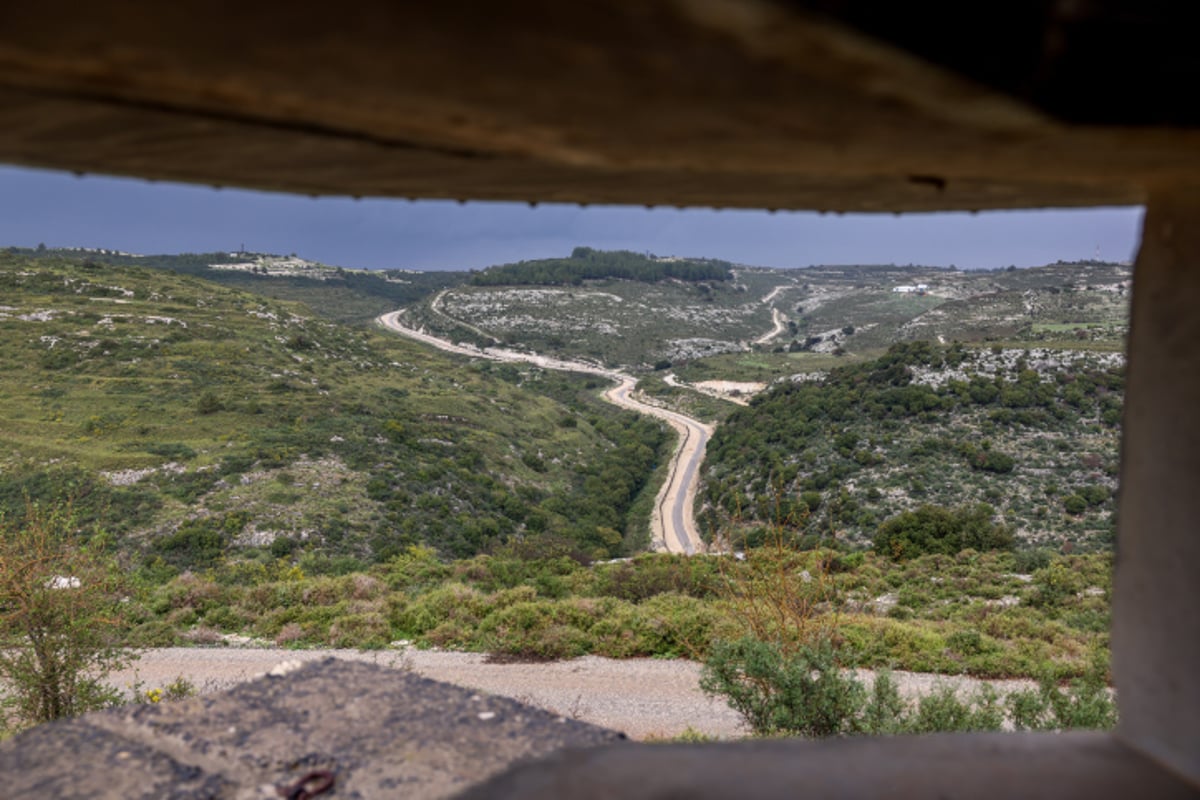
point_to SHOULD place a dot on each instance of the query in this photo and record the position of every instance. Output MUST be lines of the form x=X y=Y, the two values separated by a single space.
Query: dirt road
x=779 y=321
x=642 y=697
x=673 y=526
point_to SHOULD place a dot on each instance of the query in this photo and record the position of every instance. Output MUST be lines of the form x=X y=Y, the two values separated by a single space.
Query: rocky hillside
x=354 y=296
x=817 y=311
x=1032 y=434
x=191 y=420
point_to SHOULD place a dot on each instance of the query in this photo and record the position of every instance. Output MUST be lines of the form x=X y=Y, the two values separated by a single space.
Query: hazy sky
x=61 y=210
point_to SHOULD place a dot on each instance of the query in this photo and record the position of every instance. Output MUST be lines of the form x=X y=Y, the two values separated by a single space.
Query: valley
x=914 y=465
x=673 y=525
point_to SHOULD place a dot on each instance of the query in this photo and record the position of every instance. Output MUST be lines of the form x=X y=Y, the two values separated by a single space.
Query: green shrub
x=1094 y=495
x=650 y=575
x=196 y=543
x=209 y=403
x=153 y=633
x=993 y=461
x=943 y=711
x=1030 y=559
x=415 y=568
x=885 y=712
x=367 y=631
x=1055 y=583
x=1085 y=704
x=933 y=529
x=802 y=695
x=537 y=631
x=672 y=626
x=1074 y=504
x=452 y=602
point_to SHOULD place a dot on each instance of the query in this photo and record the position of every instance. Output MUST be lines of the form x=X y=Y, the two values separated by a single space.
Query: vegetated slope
x=642 y=319
x=619 y=323
x=992 y=614
x=1031 y=433
x=865 y=309
x=344 y=295
x=192 y=420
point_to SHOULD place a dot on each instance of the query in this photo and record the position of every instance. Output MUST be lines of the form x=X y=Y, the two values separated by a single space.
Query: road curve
x=673 y=525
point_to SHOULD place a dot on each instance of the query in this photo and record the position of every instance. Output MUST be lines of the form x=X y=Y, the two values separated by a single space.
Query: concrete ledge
x=1075 y=765
x=384 y=734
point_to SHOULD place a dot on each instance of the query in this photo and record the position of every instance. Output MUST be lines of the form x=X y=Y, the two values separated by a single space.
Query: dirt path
x=642 y=697
x=673 y=525
x=779 y=319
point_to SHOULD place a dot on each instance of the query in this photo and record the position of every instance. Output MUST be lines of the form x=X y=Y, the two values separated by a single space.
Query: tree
x=60 y=618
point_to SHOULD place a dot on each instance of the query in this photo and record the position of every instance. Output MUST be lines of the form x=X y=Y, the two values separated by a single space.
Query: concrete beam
x=749 y=103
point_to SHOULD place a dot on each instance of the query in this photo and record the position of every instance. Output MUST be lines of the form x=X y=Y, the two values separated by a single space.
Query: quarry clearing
x=642 y=697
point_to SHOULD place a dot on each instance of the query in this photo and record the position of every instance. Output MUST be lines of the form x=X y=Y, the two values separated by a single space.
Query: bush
x=1074 y=504
x=196 y=543
x=536 y=631
x=942 y=711
x=209 y=403
x=933 y=529
x=804 y=694
x=60 y=615
x=992 y=461
x=1085 y=704
x=807 y=694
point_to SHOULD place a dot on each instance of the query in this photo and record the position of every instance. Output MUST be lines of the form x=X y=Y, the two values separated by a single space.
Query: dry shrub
x=291 y=632
x=60 y=620
x=364 y=587
x=192 y=591
x=202 y=634
x=782 y=595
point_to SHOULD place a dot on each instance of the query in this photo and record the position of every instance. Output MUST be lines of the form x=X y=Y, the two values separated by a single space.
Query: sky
x=62 y=210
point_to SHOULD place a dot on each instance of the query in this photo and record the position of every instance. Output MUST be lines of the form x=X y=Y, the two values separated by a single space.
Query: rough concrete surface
x=750 y=103
x=1055 y=766
x=381 y=732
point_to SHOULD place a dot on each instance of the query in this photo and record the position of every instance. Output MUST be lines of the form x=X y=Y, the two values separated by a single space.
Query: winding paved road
x=673 y=525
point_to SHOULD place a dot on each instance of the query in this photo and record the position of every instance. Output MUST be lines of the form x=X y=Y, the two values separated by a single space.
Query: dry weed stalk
x=777 y=593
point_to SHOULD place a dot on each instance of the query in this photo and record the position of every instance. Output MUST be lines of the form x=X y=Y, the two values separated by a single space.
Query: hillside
x=784 y=316
x=1031 y=433
x=189 y=420
x=353 y=296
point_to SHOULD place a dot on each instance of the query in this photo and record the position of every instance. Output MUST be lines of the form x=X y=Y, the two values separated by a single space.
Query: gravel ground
x=642 y=697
